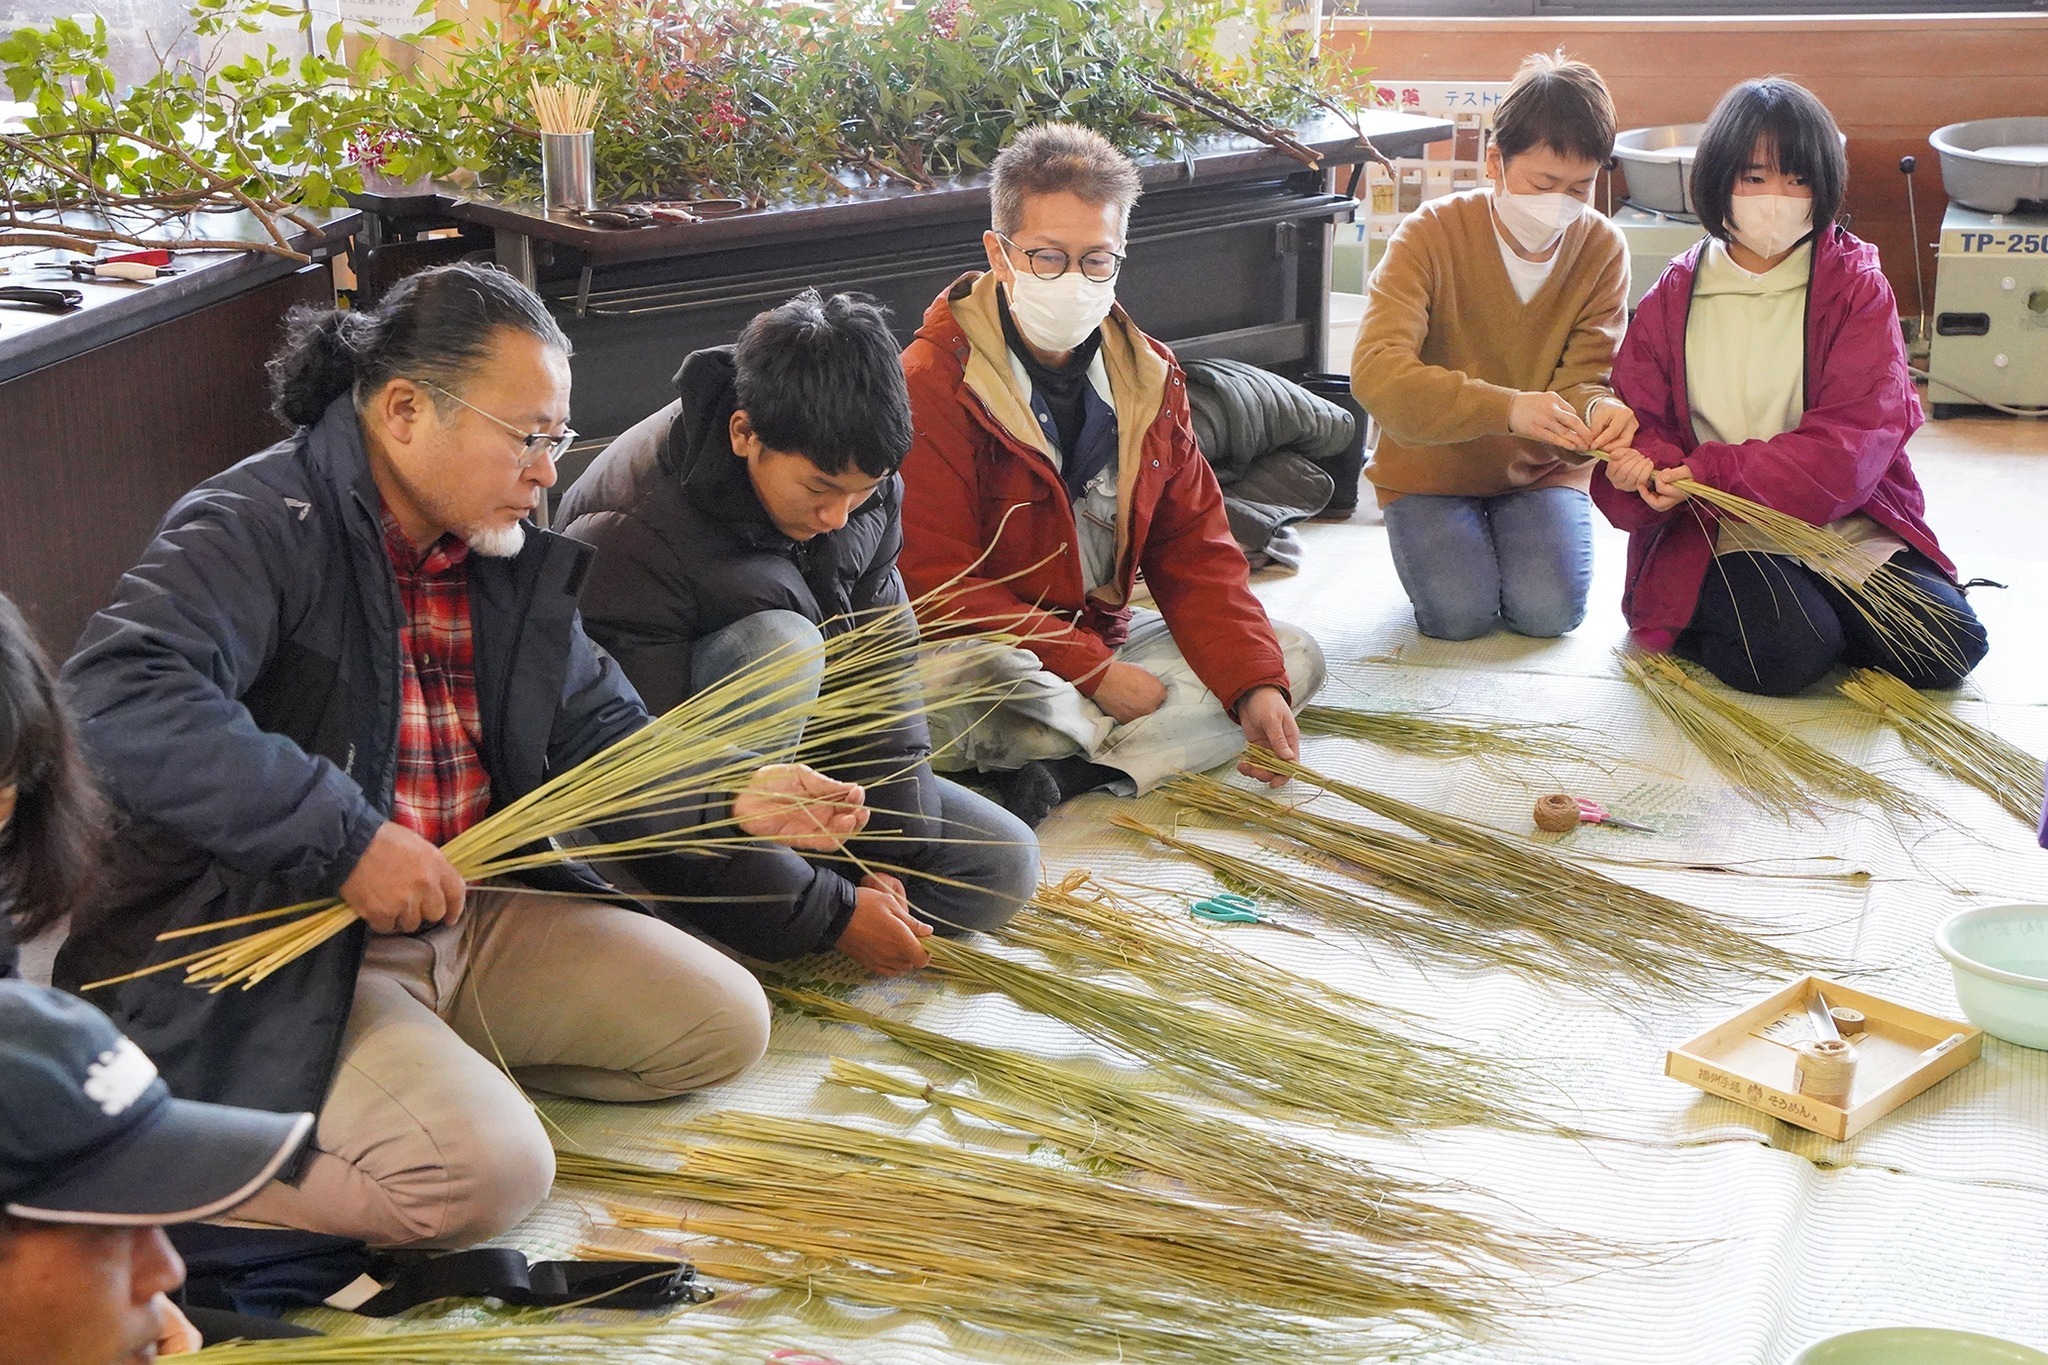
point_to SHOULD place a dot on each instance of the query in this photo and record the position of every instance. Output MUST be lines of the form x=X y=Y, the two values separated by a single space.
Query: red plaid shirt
x=442 y=787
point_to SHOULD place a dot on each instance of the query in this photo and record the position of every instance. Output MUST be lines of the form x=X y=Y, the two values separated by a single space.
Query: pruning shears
x=1227 y=907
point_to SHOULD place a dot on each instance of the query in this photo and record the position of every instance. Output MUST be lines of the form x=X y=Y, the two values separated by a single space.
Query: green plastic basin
x=1999 y=954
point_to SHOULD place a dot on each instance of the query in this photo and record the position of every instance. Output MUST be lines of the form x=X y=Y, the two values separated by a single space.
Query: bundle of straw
x=1435 y=734
x=992 y=1234
x=1969 y=753
x=1494 y=903
x=565 y=106
x=686 y=763
x=1127 y=1118
x=1654 y=933
x=1188 y=1332
x=1775 y=769
x=555 y=1343
x=1894 y=605
x=1376 y=1077
x=1085 y=926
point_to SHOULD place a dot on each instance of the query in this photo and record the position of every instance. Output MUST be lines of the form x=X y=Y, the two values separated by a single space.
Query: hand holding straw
x=660 y=790
x=1893 y=604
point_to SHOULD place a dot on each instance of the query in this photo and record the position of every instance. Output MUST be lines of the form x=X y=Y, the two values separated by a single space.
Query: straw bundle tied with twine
x=1776 y=770
x=1014 y=1244
x=565 y=107
x=1434 y=734
x=1122 y=1117
x=1969 y=753
x=1492 y=902
x=688 y=762
x=1888 y=598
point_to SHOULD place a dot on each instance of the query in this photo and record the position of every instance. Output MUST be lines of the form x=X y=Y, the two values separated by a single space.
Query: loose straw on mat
x=1887 y=598
x=1003 y=1230
x=1493 y=905
x=1378 y=1077
x=685 y=1336
x=1774 y=768
x=1093 y=1119
x=1116 y=1326
x=1663 y=926
x=1969 y=753
x=1434 y=734
x=565 y=106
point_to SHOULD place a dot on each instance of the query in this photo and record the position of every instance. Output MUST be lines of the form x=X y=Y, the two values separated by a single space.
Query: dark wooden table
x=1229 y=258
x=111 y=412
x=520 y=228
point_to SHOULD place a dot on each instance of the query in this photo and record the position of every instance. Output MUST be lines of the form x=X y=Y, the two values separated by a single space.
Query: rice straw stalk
x=1969 y=753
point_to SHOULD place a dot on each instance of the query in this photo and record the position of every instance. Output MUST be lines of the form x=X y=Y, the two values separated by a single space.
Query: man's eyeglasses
x=1049 y=262
x=534 y=443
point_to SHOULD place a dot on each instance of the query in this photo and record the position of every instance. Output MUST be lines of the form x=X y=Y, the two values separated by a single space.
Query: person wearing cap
x=96 y=1159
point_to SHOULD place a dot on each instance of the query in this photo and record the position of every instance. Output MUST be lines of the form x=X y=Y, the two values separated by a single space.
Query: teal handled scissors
x=1227 y=907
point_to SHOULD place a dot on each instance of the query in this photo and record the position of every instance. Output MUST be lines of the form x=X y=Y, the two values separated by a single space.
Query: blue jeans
x=1521 y=560
x=982 y=865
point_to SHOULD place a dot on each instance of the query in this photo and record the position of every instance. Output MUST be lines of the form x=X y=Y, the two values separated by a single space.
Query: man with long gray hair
x=1054 y=463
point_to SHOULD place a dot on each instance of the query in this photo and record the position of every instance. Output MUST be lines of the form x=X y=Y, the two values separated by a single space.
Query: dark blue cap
x=90 y=1134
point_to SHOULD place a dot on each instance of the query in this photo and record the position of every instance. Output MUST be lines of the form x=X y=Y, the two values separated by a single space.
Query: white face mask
x=1537 y=221
x=1057 y=315
x=1769 y=224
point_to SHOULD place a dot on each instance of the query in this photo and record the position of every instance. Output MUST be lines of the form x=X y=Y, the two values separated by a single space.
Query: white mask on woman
x=1058 y=314
x=1537 y=220
x=1769 y=224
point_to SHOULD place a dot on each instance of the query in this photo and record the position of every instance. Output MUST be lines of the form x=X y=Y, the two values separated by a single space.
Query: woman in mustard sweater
x=1490 y=329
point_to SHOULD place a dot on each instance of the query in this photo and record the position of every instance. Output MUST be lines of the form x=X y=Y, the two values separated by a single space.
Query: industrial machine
x=1989 y=342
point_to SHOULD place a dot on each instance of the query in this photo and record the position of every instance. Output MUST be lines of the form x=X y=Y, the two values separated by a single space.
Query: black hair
x=1798 y=133
x=1557 y=103
x=822 y=378
x=437 y=326
x=50 y=849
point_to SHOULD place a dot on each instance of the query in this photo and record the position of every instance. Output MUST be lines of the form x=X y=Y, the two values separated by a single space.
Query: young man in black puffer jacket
x=758 y=515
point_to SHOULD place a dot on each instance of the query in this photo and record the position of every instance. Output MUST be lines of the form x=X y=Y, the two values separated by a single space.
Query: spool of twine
x=1826 y=1071
x=1848 y=1022
x=1557 y=814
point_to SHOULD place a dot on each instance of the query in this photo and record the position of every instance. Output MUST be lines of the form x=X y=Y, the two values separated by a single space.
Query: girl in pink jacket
x=1768 y=361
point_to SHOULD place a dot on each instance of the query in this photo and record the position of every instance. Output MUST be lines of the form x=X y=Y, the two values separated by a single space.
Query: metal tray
x=1992 y=164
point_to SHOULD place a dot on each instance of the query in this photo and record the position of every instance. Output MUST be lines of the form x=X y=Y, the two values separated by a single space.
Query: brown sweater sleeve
x=1587 y=365
x=1415 y=403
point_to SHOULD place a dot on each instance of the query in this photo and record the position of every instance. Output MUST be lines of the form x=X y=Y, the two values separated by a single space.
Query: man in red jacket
x=1053 y=463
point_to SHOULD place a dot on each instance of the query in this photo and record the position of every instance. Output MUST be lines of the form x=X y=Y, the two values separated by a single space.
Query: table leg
x=514 y=251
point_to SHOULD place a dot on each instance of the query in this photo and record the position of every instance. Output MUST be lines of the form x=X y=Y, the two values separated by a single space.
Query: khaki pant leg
x=422 y=1141
x=605 y=1003
x=1191 y=732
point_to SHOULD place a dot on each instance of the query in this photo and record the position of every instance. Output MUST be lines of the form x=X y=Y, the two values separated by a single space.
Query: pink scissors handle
x=1593 y=813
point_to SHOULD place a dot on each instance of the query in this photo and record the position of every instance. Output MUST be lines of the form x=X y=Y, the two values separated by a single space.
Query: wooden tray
x=1749 y=1057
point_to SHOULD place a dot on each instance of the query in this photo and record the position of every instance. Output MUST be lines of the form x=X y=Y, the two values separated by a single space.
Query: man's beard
x=497 y=542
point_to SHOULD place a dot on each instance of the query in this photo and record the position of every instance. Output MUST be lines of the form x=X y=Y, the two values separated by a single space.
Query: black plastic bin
x=1345 y=467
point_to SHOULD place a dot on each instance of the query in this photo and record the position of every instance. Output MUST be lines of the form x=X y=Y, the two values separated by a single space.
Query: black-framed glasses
x=1049 y=262
x=534 y=443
